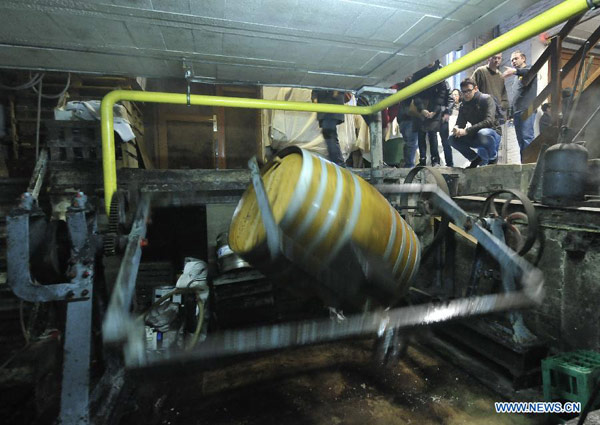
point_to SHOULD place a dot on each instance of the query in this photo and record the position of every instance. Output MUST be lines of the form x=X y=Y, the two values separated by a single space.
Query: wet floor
x=329 y=384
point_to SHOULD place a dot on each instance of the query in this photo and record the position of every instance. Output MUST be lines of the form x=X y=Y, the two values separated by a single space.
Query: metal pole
x=37 y=123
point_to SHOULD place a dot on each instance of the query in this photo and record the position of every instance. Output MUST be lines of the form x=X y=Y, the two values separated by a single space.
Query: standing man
x=329 y=122
x=407 y=128
x=430 y=104
x=488 y=79
x=522 y=98
x=479 y=110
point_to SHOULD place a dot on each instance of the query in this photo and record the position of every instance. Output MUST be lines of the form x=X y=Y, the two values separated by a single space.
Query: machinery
x=343 y=279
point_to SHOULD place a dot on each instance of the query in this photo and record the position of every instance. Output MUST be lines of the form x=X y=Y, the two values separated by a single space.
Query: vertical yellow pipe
x=540 y=23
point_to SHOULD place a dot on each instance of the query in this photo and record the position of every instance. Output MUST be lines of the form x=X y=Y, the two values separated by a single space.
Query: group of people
x=482 y=102
x=481 y=106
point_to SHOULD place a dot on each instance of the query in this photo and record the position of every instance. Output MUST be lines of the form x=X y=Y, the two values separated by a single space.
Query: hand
x=431 y=115
x=508 y=71
x=459 y=132
x=425 y=113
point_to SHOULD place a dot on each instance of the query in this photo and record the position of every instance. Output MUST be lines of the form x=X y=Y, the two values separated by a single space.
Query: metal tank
x=322 y=207
x=564 y=174
x=226 y=258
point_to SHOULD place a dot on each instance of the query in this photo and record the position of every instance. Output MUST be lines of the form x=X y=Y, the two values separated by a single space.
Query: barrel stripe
x=392 y=238
x=411 y=253
x=300 y=191
x=315 y=205
x=402 y=247
x=415 y=266
x=351 y=222
x=332 y=214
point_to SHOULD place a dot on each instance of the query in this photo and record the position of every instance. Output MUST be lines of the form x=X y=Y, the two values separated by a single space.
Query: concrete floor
x=329 y=384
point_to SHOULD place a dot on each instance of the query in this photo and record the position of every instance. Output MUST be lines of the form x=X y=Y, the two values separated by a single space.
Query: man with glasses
x=479 y=142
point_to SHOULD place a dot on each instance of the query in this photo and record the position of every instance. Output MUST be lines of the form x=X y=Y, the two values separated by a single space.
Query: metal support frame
x=78 y=293
x=235 y=342
x=118 y=324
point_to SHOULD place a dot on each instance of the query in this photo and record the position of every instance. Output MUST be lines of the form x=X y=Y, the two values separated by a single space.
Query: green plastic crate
x=571 y=376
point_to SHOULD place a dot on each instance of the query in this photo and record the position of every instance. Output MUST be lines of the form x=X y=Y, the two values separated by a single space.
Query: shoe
x=476 y=162
x=493 y=161
x=436 y=164
x=422 y=162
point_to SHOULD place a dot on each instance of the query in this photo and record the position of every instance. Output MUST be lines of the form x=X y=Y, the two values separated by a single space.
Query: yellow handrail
x=540 y=23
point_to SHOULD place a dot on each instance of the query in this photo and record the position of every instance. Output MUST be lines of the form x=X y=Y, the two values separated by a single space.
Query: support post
x=555 y=79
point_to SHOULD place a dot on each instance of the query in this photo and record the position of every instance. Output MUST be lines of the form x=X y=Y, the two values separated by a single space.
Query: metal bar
x=376 y=136
x=540 y=23
x=271 y=228
x=75 y=393
x=572 y=101
x=589 y=120
x=117 y=321
x=38 y=120
x=533 y=71
x=37 y=177
x=555 y=80
x=568 y=27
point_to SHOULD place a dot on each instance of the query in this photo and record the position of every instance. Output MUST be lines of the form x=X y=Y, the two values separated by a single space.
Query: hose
x=196 y=335
x=31 y=83
x=59 y=95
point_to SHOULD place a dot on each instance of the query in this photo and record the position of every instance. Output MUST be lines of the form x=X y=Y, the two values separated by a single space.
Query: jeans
x=329 y=130
x=433 y=147
x=524 y=130
x=444 y=133
x=486 y=143
x=410 y=142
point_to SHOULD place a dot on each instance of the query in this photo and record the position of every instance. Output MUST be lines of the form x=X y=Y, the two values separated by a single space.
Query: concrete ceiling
x=314 y=43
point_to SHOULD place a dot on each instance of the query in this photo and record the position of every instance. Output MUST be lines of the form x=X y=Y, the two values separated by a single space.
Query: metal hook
x=188 y=75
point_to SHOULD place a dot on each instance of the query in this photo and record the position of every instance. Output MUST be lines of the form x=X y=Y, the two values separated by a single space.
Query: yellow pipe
x=540 y=23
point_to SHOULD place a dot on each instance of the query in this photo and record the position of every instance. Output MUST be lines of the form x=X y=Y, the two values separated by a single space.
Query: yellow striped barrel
x=321 y=207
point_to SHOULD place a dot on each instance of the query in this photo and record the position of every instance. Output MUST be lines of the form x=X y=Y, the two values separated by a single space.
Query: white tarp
x=292 y=128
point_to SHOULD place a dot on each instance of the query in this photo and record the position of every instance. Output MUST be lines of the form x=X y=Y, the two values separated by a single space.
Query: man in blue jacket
x=479 y=142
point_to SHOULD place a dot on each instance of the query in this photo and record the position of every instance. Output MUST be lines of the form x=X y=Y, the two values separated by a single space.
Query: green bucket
x=393 y=152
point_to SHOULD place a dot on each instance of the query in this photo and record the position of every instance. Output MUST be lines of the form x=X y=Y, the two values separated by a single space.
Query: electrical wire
x=59 y=95
x=31 y=83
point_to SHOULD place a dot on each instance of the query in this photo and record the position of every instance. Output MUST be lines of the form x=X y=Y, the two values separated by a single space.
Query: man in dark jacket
x=523 y=97
x=329 y=122
x=483 y=135
x=430 y=103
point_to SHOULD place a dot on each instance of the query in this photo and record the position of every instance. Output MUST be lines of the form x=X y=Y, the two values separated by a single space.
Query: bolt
x=72 y=274
x=86 y=273
x=84 y=292
x=143 y=242
x=70 y=294
x=468 y=224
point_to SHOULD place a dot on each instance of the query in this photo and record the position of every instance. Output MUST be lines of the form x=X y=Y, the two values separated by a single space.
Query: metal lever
x=271 y=228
